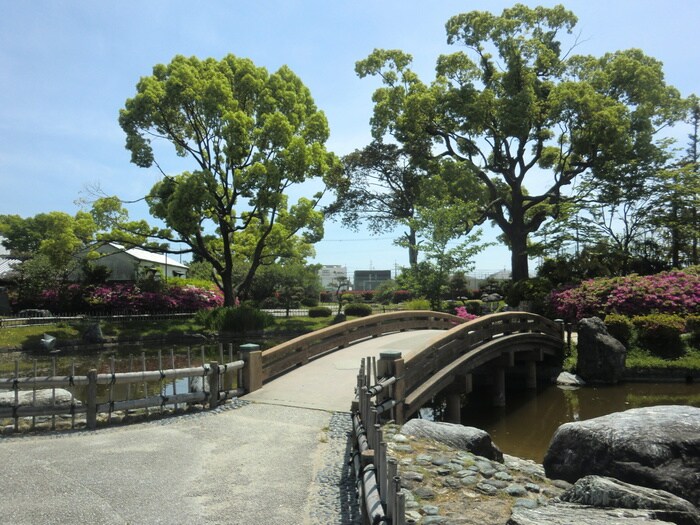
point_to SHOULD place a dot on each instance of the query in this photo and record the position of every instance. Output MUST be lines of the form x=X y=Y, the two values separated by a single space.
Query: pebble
x=486 y=488
x=526 y=503
x=430 y=510
x=516 y=490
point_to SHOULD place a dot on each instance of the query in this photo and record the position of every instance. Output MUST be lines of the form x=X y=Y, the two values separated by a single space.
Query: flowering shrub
x=461 y=311
x=674 y=292
x=128 y=297
x=401 y=296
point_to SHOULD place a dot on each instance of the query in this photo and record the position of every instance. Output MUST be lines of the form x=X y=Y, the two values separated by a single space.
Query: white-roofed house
x=132 y=263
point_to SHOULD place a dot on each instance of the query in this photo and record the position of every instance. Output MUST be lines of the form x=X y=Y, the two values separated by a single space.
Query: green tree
x=515 y=108
x=443 y=255
x=56 y=235
x=383 y=190
x=250 y=136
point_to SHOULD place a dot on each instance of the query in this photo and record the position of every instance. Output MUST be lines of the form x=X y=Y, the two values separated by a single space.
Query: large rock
x=93 y=333
x=657 y=447
x=44 y=398
x=567 y=514
x=601 y=357
x=604 y=492
x=472 y=439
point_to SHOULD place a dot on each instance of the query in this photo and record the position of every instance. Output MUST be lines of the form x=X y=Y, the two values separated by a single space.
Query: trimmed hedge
x=320 y=311
x=620 y=327
x=692 y=326
x=358 y=309
x=660 y=334
x=240 y=319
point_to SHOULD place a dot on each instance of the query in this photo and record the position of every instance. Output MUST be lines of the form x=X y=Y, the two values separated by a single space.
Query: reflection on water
x=525 y=427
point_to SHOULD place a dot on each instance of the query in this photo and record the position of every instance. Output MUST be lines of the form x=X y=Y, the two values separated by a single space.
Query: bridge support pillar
x=531 y=381
x=499 y=387
x=454 y=407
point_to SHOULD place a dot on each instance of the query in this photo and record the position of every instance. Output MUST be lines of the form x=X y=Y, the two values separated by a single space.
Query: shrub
x=672 y=292
x=461 y=311
x=358 y=309
x=347 y=297
x=320 y=311
x=368 y=295
x=535 y=292
x=473 y=307
x=660 y=334
x=418 y=304
x=327 y=297
x=620 y=327
x=309 y=301
x=270 y=302
x=240 y=319
x=401 y=296
x=692 y=326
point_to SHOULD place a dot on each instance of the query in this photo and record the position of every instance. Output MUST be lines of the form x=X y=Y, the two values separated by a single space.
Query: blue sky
x=66 y=68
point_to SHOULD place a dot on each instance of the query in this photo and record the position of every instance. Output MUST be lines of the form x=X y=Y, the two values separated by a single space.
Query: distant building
x=370 y=279
x=130 y=264
x=330 y=274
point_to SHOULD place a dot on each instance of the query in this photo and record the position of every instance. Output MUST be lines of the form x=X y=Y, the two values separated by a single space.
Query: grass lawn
x=640 y=359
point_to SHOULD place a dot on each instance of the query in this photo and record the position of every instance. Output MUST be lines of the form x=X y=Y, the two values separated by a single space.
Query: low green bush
x=692 y=327
x=309 y=301
x=620 y=327
x=320 y=311
x=660 y=334
x=240 y=319
x=473 y=307
x=417 y=304
x=358 y=309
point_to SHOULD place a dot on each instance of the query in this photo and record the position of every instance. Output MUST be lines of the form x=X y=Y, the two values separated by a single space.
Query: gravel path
x=332 y=495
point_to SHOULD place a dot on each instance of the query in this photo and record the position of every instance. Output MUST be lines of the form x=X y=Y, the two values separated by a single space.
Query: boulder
x=567 y=514
x=604 y=492
x=656 y=447
x=44 y=398
x=569 y=379
x=472 y=439
x=93 y=333
x=601 y=357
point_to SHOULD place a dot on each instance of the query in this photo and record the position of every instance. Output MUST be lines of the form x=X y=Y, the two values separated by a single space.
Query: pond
x=525 y=426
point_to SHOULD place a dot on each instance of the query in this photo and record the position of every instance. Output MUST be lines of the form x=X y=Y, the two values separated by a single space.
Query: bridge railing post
x=390 y=364
x=252 y=371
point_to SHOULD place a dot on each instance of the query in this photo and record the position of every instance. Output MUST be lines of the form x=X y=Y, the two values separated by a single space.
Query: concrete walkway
x=252 y=465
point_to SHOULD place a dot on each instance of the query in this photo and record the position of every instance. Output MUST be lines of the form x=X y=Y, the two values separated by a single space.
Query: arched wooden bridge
x=489 y=346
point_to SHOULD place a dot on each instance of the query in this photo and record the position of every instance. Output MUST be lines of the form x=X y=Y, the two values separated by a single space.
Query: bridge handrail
x=402 y=384
x=445 y=348
x=302 y=349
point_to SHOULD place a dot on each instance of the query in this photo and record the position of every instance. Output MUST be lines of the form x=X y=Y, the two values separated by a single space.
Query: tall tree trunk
x=518 y=255
x=412 y=248
x=227 y=288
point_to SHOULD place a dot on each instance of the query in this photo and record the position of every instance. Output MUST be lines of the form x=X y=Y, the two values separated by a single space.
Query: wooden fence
x=17 y=321
x=217 y=383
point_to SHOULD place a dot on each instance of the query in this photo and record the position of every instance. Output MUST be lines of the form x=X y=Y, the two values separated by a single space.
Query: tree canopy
x=521 y=113
x=249 y=137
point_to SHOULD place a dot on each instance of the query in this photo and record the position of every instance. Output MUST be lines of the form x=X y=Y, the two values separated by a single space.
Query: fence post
x=252 y=371
x=391 y=364
x=91 y=414
x=214 y=385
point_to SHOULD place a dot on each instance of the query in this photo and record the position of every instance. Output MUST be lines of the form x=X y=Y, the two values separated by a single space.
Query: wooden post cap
x=249 y=347
x=390 y=354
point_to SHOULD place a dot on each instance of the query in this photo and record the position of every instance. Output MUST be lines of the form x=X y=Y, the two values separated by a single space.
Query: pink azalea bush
x=128 y=297
x=673 y=292
x=461 y=311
